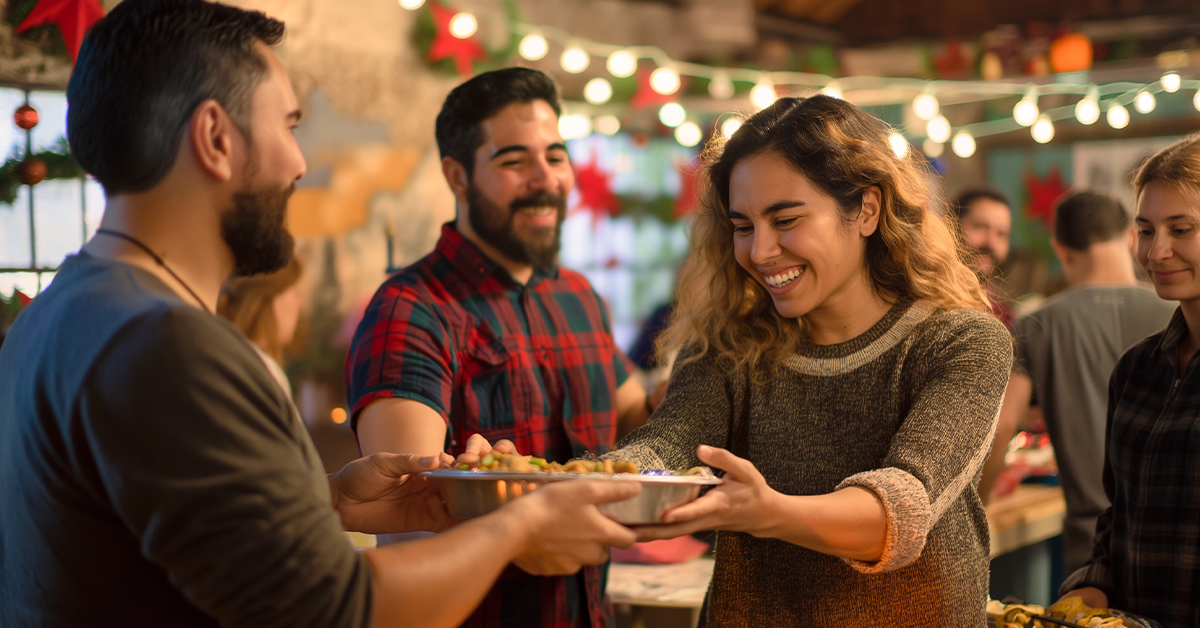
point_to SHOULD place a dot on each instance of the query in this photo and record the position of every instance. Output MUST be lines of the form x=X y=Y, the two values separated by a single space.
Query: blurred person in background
x=152 y=473
x=1066 y=351
x=266 y=308
x=985 y=220
x=488 y=336
x=1146 y=550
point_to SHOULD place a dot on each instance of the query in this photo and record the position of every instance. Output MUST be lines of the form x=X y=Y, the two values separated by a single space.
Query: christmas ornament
x=445 y=45
x=31 y=171
x=25 y=117
x=595 y=190
x=73 y=18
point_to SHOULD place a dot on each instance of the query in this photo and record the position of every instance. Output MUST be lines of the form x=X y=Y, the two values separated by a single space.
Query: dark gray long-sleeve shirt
x=153 y=474
x=907 y=410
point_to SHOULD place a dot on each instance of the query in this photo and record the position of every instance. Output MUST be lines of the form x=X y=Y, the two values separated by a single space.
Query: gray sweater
x=907 y=410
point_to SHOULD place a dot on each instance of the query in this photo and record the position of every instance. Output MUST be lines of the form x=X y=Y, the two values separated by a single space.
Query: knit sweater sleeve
x=958 y=372
x=696 y=411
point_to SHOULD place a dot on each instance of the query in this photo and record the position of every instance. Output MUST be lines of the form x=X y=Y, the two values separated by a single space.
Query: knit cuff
x=1093 y=574
x=909 y=516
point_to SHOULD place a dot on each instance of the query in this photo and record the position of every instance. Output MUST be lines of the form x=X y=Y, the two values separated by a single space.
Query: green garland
x=59 y=165
x=425 y=32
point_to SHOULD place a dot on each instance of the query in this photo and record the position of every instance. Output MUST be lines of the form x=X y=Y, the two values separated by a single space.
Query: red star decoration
x=952 y=63
x=464 y=51
x=22 y=298
x=595 y=190
x=645 y=95
x=686 y=202
x=1042 y=195
x=73 y=17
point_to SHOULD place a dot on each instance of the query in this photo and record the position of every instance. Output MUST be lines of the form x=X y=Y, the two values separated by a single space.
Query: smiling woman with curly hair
x=840 y=363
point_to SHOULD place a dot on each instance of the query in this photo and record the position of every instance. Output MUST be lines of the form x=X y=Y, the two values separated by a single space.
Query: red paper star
x=645 y=95
x=73 y=17
x=464 y=51
x=1042 y=195
x=595 y=190
x=686 y=201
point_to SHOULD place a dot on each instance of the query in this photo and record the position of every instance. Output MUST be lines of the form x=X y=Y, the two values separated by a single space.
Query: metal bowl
x=474 y=493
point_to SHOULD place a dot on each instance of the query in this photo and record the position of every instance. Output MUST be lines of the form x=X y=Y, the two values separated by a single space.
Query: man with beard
x=151 y=471
x=487 y=335
x=985 y=217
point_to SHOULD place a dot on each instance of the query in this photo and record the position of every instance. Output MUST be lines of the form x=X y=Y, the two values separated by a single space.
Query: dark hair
x=142 y=71
x=469 y=104
x=914 y=253
x=968 y=198
x=1085 y=218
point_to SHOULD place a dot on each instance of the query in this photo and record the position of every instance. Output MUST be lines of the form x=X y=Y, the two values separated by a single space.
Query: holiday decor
x=595 y=190
x=31 y=171
x=56 y=163
x=450 y=47
x=73 y=18
x=446 y=45
x=25 y=117
x=1042 y=195
x=1071 y=53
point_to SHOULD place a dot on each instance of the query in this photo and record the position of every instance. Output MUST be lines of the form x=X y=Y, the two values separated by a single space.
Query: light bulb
x=899 y=144
x=763 y=94
x=926 y=106
x=1144 y=103
x=621 y=64
x=1118 y=116
x=574 y=126
x=412 y=5
x=664 y=81
x=575 y=59
x=938 y=129
x=533 y=46
x=1196 y=101
x=933 y=149
x=608 y=125
x=688 y=134
x=832 y=90
x=463 y=25
x=1042 y=130
x=1170 y=82
x=672 y=114
x=720 y=87
x=730 y=126
x=1026 y=112
x=963 y=144
x=597 y=91
x=1087 y=111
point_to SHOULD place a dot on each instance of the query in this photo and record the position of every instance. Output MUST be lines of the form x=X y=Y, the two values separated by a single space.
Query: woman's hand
x=740 y=504
x=385 y=493
x=478 y=447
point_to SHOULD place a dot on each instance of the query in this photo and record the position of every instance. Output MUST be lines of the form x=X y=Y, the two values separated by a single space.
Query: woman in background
x=266 y=308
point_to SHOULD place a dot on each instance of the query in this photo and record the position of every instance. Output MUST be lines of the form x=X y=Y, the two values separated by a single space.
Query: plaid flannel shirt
x=1146 y=555
x=533 y=363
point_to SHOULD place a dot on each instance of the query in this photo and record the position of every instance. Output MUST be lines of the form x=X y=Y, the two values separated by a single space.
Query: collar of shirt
x=1175 y=332
x=477 y=267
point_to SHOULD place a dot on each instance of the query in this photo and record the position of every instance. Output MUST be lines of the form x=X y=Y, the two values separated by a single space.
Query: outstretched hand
x=566 y=530
x=384 y=493
x=739 y=504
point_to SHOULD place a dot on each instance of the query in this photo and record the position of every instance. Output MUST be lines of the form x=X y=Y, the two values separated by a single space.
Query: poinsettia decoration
x=445 y=45
x=595 y=190
x=1043 y=193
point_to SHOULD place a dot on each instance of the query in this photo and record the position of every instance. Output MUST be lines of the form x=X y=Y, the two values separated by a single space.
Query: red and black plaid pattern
x=533 y=363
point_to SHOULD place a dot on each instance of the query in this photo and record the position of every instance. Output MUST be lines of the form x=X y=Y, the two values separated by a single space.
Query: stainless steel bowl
x=474 y=493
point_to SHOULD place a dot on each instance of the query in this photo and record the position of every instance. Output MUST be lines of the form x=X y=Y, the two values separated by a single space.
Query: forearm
x=848 y=523
x=438 y=581
x=632 y=418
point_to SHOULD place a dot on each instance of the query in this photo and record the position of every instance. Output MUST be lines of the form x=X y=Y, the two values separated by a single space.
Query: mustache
x=539 y=199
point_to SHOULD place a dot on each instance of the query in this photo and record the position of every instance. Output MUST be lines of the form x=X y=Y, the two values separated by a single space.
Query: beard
x=495 y=225
x=254 y=229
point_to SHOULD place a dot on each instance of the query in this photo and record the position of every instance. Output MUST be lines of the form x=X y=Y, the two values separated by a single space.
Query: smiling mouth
x=782 y=279
x=544 y=210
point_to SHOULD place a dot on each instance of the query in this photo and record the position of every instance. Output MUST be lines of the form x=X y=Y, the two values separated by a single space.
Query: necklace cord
x=158 y=259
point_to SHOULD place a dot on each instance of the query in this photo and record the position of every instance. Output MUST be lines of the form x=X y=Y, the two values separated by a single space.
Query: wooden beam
x=797 y=8
x=831 y=11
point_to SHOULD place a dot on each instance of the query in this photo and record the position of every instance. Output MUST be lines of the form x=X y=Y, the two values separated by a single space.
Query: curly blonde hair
x=916 y=253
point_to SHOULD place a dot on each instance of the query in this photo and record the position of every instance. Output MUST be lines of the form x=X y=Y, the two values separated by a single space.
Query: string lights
x=926 y=98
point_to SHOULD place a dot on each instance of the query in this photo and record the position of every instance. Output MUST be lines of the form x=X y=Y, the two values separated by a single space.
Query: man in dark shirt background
x=985 y=218
x=151 y=471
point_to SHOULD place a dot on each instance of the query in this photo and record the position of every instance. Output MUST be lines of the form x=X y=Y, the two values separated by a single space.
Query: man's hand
x=1091 y=596
x=566 y=530
x=384 y=493
x=478 y=447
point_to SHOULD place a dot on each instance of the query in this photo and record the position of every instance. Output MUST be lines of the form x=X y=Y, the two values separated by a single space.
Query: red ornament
x=595 y=190
x=1042 y=195
x=31 y=171
x=73 y=17
x=25 y=117
x=645 y=95
x=445 y=45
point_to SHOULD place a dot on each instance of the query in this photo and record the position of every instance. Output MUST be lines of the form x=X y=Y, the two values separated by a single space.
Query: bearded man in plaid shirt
x=487 y=335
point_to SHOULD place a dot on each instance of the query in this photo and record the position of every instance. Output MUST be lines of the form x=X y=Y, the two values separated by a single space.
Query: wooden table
x=1030 y=514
